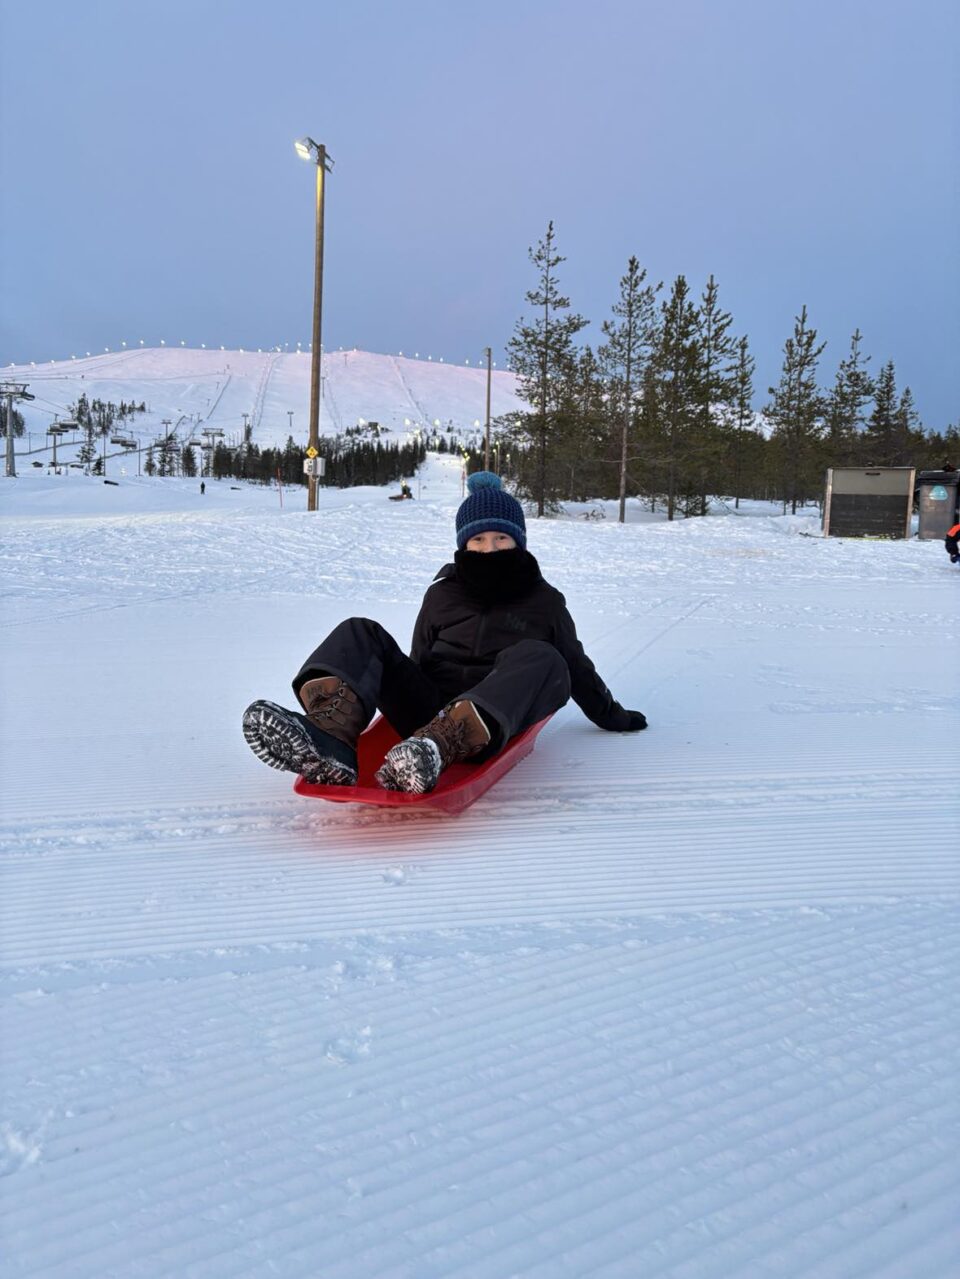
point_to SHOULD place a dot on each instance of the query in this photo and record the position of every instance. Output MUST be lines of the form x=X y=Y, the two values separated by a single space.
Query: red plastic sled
x=458 y=787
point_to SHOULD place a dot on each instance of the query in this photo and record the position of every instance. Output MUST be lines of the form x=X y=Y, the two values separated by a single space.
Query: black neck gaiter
x=497 y=577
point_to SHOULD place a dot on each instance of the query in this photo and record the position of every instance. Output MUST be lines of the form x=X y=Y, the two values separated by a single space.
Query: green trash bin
x=938 y=496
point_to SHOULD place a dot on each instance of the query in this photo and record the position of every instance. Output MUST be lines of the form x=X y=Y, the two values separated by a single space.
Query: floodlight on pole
x=307 y=149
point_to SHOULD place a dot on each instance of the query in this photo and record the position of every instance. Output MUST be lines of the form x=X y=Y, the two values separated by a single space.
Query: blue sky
x=804 y=153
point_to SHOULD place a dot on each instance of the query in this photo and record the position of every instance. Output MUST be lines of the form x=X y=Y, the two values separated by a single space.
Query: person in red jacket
x=952 y=543
x=494 y=651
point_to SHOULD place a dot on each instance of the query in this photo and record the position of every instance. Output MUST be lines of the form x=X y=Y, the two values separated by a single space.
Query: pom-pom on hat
x=489 y=507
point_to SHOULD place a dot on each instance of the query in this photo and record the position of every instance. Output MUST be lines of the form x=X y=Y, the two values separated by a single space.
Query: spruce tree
x=631 y=338
x=796 y=412
x=883 y=428
x=894 y=433
x=844 y=411
x=542 y=355
x=909 y=430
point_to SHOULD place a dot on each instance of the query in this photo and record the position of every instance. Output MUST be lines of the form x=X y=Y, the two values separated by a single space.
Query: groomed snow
x=681 y=1004
x=186 y=388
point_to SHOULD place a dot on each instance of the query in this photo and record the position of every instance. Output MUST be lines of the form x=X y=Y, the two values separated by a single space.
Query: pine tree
x=88 y=450
x=542 y=356
x=742 y=392
x=796 y=412
x=844 y=412
x=18 y=424
x=579 y=449
x=651 y=482
x=717 y=353
x=188 y=462
x=631 y=338
x=169 y=453
x=679 y=367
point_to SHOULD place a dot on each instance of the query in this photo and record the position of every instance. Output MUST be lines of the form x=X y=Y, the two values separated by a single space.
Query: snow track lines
x=416 y=407
x=691 y=1097
x=674 y=1005
x=331 y=872
x=256 y=412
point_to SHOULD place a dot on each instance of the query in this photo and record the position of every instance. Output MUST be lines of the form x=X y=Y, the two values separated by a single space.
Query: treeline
x=102 y=415
x=101 y=418
x=665 y=408
x=348 y=461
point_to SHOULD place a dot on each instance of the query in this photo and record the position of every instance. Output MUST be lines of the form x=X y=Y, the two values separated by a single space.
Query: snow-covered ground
x=681 y=1004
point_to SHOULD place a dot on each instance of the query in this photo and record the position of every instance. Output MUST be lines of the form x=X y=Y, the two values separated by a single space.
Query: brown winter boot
x=322 y=745
x=334 y=707
x=456 y=733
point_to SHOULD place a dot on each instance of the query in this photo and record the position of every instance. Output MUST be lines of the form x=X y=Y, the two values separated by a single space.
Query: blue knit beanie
x=489 y=507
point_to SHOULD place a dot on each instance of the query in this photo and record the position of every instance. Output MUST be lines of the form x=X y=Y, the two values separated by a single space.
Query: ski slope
x=679 y=1004
x=232 y=391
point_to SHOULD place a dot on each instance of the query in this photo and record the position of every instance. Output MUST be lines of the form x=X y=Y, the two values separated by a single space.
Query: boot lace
x=326 y=706
x=450 y=736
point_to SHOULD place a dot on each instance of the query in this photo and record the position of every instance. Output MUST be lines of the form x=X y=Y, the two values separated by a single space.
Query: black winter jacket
x=456 y=640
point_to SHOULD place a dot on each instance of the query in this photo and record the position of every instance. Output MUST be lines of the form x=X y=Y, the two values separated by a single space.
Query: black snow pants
x=528 y=681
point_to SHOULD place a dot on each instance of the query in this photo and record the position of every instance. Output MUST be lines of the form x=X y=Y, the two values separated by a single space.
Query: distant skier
x=203 y=487
x=952 y=543
x=494 y=651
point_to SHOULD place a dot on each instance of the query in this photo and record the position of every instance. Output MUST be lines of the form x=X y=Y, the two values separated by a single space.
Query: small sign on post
x=315 y=466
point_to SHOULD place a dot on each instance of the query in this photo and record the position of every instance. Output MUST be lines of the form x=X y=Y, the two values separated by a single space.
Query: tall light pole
x=307 y=149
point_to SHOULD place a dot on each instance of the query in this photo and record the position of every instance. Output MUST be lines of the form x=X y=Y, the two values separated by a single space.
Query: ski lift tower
x=12 y=391
x=55 y=431
x=211 y=435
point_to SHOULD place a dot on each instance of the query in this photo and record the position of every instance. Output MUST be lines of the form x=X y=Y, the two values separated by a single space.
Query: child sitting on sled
x=952 y=543
x=494 y=651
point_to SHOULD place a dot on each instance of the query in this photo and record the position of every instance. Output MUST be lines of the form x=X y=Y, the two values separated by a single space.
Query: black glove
x=621 y=720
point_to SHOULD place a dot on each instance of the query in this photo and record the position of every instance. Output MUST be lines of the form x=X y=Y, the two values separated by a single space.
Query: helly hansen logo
x=514 y=623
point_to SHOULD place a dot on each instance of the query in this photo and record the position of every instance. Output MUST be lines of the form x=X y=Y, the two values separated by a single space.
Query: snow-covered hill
x=230 y=390
x=677 y=1005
